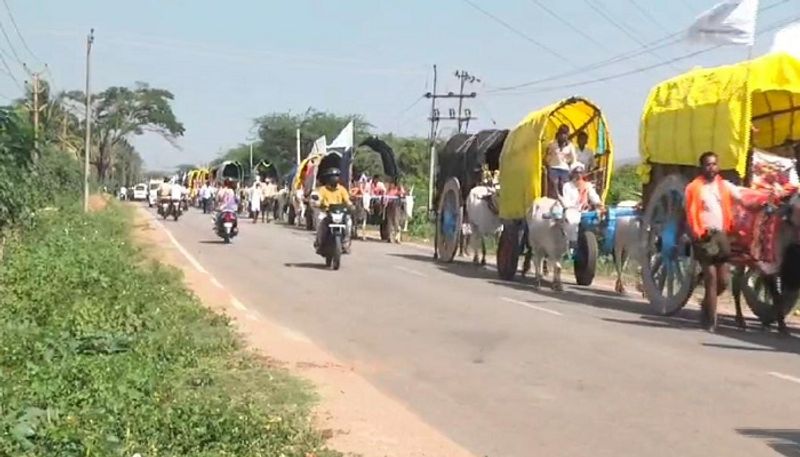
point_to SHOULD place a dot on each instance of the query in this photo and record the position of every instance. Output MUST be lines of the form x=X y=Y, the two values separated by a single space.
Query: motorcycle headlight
x=337 y=218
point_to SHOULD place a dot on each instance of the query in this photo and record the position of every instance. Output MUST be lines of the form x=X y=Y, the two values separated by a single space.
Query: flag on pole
x=787 y=40
x=343 y=146
x=729 y=22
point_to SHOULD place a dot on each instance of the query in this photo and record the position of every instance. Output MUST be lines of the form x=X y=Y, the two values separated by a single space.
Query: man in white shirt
x=205 y=197
x=585 y=154
x=560 y=156
x=579 y=193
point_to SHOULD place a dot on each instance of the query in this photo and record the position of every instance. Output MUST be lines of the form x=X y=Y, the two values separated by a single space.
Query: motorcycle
x=167 y=208
x=227 y=225
x=335 y=237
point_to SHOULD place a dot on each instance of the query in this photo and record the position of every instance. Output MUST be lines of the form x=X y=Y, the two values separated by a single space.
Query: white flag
x=344 y=140
x=787 y=40
x=730 y=22
x=319 y=146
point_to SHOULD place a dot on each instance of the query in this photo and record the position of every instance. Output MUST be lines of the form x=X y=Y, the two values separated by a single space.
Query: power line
x=657 y=65
x=10 y=44
x=619 y=26
x=646 y=14
x=577 y=30
x=19 y=34
x=519 y=33
x=663 y=42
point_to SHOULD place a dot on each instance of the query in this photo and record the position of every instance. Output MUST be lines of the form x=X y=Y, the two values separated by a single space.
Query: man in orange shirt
x=709 y=210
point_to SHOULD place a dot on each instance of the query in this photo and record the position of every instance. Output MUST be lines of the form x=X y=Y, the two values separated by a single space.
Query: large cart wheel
x=760 y=300
x=449 y=220
x=509 y=249
x=585 y=262
x=669 y=272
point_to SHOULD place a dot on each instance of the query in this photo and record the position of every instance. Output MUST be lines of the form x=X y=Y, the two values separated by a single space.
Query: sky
x=228 y=62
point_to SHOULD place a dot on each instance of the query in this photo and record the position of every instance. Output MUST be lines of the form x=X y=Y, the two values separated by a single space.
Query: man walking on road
x=205 y=197
x=709 y=211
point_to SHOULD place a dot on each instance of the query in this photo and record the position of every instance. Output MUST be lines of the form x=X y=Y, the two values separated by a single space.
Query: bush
x=102 y=355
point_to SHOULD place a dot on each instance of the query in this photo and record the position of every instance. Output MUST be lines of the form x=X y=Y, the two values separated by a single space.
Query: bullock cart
x=462 y=156
x=523 y=177
x=735 y=111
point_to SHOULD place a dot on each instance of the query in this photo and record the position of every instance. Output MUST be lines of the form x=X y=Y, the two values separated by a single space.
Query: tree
x=127 y=169
x=277 y=137
x=626 y=185
x=119 y=113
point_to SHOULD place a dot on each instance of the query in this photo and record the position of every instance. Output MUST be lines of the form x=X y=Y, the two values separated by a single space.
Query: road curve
x=506 y=371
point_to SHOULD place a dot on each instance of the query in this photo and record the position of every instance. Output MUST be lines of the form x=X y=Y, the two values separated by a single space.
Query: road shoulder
x=357 y=417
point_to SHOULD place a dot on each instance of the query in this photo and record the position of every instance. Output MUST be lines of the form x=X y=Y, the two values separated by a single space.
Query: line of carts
x=730 y=110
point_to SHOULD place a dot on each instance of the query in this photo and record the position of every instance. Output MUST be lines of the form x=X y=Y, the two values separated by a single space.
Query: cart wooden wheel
x=449 y=220
x=509 y=249
x=585 y=261
x=760 y=299
x=669 y=272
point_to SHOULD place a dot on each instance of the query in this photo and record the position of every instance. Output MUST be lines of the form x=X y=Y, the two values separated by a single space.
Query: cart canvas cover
x=522 y=160
x=713 y=109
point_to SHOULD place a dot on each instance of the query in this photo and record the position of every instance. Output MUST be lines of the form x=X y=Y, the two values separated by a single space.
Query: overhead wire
x=520 y=33
x=19 y=33
x=565 y=22
x=663 y=42
x=621 y=27
x=647 y=15
x=10 y=44
x=653 y=66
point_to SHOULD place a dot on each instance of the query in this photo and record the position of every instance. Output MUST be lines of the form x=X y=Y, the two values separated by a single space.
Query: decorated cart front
x=229 y=171
x=523 y=174
x=266 y=170
x=461 y=163
x=730 y=110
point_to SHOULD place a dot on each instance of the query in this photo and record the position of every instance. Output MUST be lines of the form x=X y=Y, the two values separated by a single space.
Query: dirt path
x=356 y=417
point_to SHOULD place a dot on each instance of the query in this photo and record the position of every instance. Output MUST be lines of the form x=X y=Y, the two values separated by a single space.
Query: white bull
x=281 y=202
x=398 y=212
x=482 y=218
x=551 y=229
x=299 y=205
x=627 y=246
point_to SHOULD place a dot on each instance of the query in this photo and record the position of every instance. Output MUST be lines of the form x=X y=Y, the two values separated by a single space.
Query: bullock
x=627 y=246
x=361 y=213
x=397 y=213
x=299 y=205
x=483 y=219
x=551 y=230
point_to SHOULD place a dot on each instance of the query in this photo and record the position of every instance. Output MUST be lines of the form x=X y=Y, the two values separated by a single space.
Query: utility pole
x=464 y=77
x=35 y=108
x=251 y=163
x=88 y=146
x=298 y=148
x=463 y=117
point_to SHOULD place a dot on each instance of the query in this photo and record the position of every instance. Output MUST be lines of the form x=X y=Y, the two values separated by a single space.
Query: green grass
x=104 y=354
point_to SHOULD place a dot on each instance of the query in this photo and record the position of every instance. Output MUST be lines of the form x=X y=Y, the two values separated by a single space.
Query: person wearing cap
x=579 y=193
x=330 y=193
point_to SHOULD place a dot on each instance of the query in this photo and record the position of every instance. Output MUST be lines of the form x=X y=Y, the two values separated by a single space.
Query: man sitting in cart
x=560 y=155
x=710 y=215
x=580 y=193
x=376 y=187
x=585 y=154
x=395 y=188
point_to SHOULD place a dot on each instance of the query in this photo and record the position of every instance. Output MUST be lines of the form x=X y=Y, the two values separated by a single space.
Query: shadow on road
x=212 y=241
x=309 y=265
x=686 y=319
x=785 y=442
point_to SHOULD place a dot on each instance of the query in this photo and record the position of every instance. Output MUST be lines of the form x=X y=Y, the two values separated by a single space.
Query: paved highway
x=506 y=371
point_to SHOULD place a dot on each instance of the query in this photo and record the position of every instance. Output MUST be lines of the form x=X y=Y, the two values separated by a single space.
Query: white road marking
x=215 y=282
x=530 y=306
x=180 y=248
x=410 y=271
x=785 y=377
x=237 y=304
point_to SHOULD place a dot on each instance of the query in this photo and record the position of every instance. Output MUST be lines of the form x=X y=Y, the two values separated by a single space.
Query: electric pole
x=251 y=163
x=88 y=145
x=35 y=108
x=462 y=117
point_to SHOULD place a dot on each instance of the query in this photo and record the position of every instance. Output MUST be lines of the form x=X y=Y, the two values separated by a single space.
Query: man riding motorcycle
x=331 y=193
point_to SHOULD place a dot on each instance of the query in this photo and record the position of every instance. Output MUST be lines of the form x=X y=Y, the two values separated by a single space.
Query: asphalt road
x=506 y=371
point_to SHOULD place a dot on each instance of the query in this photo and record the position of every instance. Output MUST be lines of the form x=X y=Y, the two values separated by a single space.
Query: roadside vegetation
x=103 y=352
